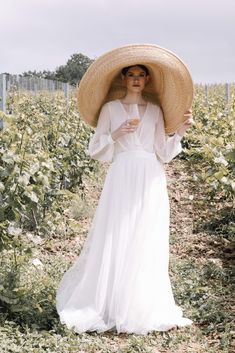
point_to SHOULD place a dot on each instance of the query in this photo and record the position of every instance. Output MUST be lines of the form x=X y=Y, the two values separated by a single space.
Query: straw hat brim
x=170 y=84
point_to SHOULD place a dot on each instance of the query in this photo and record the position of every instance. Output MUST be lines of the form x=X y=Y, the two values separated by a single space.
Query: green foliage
x=210 y=143
x=21 y=299
x=205 y=289
x=71 y=72
x=43 y=162
x=74 y=69
x=50 y=75
x=42 y=152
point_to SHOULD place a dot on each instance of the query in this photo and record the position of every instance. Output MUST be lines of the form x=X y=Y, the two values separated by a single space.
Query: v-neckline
x=127 y=115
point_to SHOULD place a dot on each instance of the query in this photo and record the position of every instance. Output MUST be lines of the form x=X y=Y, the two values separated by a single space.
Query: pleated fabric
x=120 y=280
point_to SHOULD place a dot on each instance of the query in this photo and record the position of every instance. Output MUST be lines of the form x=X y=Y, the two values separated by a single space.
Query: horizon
x=41 y=35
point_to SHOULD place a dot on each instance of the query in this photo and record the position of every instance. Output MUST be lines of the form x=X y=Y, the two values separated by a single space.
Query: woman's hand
x=124 y=128
x=187 y=124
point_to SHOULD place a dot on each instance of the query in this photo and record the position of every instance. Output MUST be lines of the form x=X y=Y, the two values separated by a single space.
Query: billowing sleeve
x=101 y=145
x=166 y=147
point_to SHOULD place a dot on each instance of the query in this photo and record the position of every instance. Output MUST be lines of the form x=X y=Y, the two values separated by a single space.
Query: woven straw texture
x=170 y=84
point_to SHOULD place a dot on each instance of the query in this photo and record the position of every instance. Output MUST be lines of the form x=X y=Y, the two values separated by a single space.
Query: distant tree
x=74 y=69
x=50 y=75
x=72 y=72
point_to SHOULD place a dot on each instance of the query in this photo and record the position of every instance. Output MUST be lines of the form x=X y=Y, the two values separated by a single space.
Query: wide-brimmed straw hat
x=170 y=84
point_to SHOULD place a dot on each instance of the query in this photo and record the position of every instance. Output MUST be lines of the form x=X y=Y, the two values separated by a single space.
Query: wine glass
x=134 y=117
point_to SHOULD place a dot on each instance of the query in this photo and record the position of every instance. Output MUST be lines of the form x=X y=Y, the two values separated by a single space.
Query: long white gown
x=120 y=280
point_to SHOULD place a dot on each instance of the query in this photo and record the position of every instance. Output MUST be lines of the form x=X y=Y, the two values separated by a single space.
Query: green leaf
x=32 y=196
x=14 y=230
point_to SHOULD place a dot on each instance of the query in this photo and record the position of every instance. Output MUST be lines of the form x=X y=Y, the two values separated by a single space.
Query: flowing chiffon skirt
x=120 y=280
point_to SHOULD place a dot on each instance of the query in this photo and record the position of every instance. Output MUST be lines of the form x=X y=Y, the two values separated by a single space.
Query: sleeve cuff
x=110 y=140
x=178 y=137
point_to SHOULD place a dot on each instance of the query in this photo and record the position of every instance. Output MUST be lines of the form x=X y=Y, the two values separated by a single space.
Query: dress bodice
x=149 y=136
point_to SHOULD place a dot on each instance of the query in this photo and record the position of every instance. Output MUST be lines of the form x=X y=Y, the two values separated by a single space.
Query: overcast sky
x=43 y=34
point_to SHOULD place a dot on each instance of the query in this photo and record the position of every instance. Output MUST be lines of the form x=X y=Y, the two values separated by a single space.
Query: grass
x=200 y=270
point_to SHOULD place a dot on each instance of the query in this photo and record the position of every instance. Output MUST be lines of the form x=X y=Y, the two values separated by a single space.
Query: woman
x=121 y=280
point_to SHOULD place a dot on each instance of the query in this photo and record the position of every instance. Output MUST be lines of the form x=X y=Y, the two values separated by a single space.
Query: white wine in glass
x=134 y=115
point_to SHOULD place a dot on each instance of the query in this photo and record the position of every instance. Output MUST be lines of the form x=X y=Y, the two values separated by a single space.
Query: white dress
x=120 y=280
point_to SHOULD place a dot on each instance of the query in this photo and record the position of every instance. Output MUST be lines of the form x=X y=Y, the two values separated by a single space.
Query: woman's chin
x=135 y=89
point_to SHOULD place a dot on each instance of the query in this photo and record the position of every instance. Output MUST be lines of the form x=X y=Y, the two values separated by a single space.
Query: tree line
x=71 y=72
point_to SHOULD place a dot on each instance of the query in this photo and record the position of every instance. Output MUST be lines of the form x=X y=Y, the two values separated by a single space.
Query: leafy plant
x=43 y=161
x=42 y=151
x=210 y=143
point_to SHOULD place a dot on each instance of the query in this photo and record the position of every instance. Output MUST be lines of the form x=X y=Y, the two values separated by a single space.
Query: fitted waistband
x=135 y=154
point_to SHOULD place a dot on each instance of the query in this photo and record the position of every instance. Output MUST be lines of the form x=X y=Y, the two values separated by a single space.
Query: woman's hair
x=143 y=67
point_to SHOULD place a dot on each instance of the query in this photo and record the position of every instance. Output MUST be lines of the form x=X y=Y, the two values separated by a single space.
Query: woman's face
x=135 y=79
